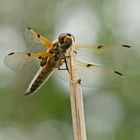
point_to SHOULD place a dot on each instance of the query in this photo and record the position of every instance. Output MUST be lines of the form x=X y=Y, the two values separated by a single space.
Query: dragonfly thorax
x=65 y=40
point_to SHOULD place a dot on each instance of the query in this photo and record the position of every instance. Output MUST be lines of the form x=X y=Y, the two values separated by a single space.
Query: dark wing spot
x=29 y=28
x=38 y=35
x=126 y=46
x=29 y=54
x=11 y=53
x=40 y=57
x=89 y=65
x=99 y=47
x=118 y=73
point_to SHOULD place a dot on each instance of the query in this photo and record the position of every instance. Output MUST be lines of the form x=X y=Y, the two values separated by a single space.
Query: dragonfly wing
x=36 y=42
x=94 y=76
x=22 y=62
x=105 y=54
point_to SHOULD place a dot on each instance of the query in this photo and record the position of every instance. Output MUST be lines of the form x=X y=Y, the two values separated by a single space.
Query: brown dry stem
x=76 y=98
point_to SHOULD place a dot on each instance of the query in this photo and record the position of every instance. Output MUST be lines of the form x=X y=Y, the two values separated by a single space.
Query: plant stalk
x=76 y=98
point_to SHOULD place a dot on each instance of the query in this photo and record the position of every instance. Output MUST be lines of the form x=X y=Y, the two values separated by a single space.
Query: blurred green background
x=111 y=114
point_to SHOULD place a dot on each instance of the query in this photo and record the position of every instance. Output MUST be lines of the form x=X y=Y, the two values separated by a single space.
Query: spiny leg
x=65 y=61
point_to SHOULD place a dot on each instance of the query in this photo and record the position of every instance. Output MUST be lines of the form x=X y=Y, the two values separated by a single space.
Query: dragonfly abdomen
x=42 y=75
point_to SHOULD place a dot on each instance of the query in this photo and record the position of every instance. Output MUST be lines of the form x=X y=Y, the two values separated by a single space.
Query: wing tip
x=118 y=73
x=11 y=53
x=126 y=46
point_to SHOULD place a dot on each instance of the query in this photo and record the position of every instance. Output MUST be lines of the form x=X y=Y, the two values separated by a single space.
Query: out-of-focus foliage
x=111 y=113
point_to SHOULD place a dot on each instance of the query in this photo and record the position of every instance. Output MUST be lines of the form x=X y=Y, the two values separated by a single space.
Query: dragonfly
x=45 y=56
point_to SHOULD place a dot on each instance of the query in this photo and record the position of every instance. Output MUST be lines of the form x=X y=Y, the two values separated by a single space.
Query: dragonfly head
x=66 y=40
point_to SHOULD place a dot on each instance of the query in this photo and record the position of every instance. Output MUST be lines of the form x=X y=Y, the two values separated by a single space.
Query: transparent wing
x=36 y=42
x=22 y=62
x=105 y=54
x=94 y=76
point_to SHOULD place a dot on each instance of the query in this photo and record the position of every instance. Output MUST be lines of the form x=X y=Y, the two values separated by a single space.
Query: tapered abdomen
x=41 y=77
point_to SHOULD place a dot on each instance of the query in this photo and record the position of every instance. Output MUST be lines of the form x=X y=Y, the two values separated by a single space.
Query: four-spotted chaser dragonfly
x=45 y=56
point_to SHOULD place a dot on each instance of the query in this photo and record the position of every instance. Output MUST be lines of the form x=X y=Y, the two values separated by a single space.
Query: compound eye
x=69 y=34
x=62 y=37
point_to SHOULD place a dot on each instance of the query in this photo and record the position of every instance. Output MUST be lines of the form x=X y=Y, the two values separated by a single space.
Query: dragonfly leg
x=65 y=61
x=75 y=52
x=66 y=64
